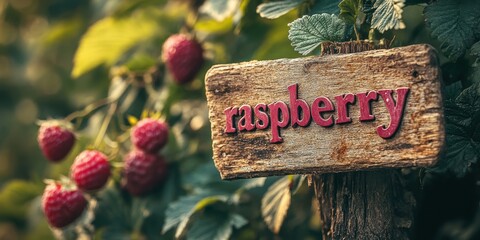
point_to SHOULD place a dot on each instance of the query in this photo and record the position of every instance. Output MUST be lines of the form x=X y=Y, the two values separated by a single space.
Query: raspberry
x=183 y=57
x=142 y=172
x=55 y=141
x=149 y=135
x=91 y=170
x=62 y=206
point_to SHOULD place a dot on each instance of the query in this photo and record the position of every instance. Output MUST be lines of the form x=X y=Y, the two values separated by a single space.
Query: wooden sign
x=336 y=113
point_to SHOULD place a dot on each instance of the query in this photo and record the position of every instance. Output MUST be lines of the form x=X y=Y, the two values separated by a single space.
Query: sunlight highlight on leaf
x=108 y=39
x=388 y=15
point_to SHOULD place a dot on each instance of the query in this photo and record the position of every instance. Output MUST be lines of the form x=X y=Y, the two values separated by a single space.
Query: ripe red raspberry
x=149 y=135
x=183 y=56
x=91 y=170
x=142 y=172
x=62 y=206
x=55 y=141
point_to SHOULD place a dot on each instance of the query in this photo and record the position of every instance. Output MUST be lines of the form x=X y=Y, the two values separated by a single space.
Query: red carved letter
x=342 y=107
x=364 y=103
x=263 y=120
x=230 y=113
x=246 y=122
x=395 y=110
x=295 y=103
x=317 y=110
x=277 y=109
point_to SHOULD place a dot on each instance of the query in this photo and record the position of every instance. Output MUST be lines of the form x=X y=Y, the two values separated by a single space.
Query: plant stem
x=105 y=123
x=88 y=109
x=357 y=35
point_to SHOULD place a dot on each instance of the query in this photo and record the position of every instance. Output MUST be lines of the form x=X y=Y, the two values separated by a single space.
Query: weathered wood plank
x=341 y=147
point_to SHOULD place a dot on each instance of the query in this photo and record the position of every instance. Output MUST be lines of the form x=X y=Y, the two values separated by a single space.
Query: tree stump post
x=364 y=205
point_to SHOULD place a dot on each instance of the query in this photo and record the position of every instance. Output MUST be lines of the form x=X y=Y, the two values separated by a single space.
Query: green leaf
x=276 y=9
x=275 y=203
x=108 y=39
x=212 y=226
x=325 y=6
x=388 y=15
x=349 y=10
x=179 y=212
x=454 y=23
x=220 y=9
x=309 y=32
x=462 y=127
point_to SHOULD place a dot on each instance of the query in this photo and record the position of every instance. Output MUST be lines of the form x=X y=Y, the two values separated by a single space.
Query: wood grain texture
x=347 y=147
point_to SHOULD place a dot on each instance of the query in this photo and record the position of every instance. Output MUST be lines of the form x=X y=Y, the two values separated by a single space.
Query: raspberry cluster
x=144 y=168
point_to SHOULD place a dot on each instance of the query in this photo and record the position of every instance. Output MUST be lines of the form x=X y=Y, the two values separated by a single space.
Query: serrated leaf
x=308 y=32
x=453 y=23
x=212 y=226
x=349 y=10
x=179 y=212
x=275 y=203
x=219 y=9
x=325 y=6
x=276 y=9
x=388 y=15
x=462 y=128
x=108 y=39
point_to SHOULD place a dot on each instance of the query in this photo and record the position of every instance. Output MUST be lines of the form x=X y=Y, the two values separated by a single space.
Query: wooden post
x=364 y=205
